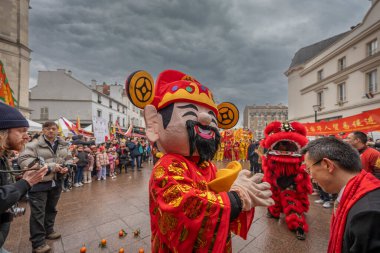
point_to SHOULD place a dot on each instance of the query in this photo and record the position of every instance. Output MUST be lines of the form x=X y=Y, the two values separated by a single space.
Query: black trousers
x=254 y=166
x=42 y=214
x=4 y=230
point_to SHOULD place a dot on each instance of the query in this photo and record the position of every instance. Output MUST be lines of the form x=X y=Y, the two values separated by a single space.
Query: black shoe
x=300 y=234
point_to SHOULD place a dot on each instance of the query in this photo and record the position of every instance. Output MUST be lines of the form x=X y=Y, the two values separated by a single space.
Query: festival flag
x=60 y=132
x=68 y=126
x=6 y=93
x=78 y=124
x=129 y=131
x=118 y=128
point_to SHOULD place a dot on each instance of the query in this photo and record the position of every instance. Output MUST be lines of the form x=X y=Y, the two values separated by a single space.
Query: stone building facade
x=257 y=117
x=14 y=50
x=58 y=94
x=339 y=76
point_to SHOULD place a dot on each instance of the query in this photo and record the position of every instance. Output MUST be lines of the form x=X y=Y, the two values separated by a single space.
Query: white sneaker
x=76 y=185
x=80 y=184
x=89 y=182
x=99 y=179
x=327 y=204
x=319 y=201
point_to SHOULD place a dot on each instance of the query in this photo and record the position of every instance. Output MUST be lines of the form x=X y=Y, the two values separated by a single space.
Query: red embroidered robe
x=185 y=215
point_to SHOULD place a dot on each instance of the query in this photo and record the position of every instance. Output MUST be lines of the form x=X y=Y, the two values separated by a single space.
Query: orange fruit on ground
x=121 y=250
x=103 y=242
x=141 y=250
x=121 y=233
x=83 y=249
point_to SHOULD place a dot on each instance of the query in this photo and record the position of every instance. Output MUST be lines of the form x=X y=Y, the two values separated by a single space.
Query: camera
x=17 y=211
x=13 y=212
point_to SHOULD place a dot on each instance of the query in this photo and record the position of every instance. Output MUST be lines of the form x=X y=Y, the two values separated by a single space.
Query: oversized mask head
x=180 y=113
x=285 y=139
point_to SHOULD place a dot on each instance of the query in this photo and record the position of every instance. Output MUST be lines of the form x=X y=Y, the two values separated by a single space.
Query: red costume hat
x=174 y=86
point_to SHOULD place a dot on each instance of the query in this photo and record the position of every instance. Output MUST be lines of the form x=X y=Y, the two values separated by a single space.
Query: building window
x=123 y=122
x=118 y=120
x=320 y=75
x=44 y=113
x=372 y=82
x=99 y=99
x=342 y=63
x=372 y=47
x=341 y=92
x=111 y=118
x=320 y=100
x=118 y=107
x=110 y=103
x=99 y=113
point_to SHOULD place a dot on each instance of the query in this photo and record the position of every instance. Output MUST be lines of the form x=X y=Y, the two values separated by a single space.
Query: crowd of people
x=53 y=165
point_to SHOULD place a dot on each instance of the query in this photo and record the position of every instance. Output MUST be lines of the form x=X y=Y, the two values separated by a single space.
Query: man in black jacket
x=253 y=157
x=13 y=136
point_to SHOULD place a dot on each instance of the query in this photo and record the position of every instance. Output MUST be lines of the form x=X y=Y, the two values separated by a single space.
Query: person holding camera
x=13 y=137
x=44 y=196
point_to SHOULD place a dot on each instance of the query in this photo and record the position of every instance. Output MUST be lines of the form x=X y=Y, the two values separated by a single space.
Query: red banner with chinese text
x=366 y=122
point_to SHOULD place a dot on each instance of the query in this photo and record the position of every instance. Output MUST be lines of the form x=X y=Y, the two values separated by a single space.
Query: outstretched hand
x=35 y=176
x=252 y=191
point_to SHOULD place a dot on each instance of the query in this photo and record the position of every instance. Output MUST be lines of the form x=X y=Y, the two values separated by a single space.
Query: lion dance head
x=284 y=142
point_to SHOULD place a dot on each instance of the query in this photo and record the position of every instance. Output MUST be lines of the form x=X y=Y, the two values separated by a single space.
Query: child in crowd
x=82 y=162
x=88 y=169
x=111 y=159
x=101 y=163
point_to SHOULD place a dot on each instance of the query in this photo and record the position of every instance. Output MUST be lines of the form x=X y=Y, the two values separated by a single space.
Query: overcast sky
x=238 y=48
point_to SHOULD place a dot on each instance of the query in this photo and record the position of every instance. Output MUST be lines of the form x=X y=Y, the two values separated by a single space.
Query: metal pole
x=315 y=116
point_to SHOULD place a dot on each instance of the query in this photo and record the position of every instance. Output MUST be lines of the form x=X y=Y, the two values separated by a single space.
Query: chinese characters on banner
x=366 y=121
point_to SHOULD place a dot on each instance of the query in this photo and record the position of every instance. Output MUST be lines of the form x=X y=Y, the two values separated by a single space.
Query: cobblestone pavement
x=99 y=210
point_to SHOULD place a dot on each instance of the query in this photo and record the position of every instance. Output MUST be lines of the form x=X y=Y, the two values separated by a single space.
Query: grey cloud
x=240 y=49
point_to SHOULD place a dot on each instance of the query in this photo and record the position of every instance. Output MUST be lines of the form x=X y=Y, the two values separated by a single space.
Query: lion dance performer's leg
x=270 y=177
x=236 y=153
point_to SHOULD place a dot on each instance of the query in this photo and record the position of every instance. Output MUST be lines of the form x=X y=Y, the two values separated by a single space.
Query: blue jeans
x=79 y=175
x=323 y=195
x=139 y=161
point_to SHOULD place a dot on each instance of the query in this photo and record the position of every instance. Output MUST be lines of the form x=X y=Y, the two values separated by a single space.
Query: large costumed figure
x=189 y=210
x=283 y=169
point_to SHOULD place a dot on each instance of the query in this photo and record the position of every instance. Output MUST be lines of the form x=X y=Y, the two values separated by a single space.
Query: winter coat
x=38 y=148
x=101 y=160
x=82 y=159
x=91 y=161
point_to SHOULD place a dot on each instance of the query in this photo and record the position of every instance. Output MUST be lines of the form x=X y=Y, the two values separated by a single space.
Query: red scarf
x=355 y=189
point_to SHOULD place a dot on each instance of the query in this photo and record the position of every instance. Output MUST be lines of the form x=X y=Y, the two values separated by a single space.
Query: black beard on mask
x=206 y=148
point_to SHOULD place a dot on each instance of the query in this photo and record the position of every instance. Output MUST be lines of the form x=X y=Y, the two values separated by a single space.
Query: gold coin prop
x=140 y=88
x=228 y=115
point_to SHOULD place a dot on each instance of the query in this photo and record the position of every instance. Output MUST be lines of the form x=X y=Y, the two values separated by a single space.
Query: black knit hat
x=11 y=118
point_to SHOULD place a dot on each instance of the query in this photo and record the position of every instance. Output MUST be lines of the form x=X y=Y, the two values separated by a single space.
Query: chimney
x=93 y=83
x=69 y=72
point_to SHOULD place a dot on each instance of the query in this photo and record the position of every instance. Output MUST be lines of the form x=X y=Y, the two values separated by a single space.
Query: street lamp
x=316 y=108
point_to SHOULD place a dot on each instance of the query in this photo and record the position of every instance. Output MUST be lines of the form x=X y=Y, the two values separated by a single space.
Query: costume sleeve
x=364 y=232
x=185 y=215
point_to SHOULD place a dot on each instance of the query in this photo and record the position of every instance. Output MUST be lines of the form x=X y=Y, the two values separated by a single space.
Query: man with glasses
x=44 y=196
x=336 y=166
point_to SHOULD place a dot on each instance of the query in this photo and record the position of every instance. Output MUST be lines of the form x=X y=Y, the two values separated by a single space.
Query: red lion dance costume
x=283 y=170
